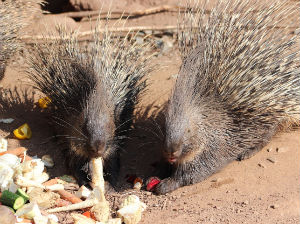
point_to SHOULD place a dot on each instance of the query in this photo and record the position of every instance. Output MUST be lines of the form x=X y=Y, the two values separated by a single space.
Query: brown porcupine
x=93 y=92
x=14 y=15
x=238 y=83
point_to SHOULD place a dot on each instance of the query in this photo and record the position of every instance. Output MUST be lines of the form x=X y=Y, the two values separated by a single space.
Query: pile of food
x=29 y=196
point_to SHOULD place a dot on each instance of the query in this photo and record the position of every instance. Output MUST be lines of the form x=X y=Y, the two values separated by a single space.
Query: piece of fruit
x=23 y=132
x=11 y=199
x=44 y=102
x=152 y=182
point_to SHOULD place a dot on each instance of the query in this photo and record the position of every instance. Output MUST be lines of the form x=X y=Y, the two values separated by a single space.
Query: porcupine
x=238 y=85
x=14 y=15
x=93 y=92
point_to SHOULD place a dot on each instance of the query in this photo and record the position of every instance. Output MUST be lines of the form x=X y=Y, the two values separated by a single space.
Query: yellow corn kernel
x=23 y=132
x=44 y=102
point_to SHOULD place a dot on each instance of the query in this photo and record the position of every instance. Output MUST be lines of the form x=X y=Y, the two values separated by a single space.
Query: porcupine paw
x=166 y=185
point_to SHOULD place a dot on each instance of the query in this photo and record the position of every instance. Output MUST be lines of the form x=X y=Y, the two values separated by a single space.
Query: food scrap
x=23 y=132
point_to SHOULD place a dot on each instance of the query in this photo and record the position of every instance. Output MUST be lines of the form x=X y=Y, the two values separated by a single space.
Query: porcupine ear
x=14 y=15
x=122 y=66
x=248 y=47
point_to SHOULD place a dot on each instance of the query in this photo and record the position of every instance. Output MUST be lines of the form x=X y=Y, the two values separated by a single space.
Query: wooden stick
x=121 y=15
x=91 y=32
x=117 y=29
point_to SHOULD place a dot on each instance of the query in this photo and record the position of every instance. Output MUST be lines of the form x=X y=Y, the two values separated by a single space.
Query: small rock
x=139 y=40
x=245 y=202
x=280 y=150
x=174 y=210
x=148 y=32
x=216 y=180
x=271 y=160
x=261 y=165
x=275 y=206
x=48 y=161
x=269 y=150
x=148 y=193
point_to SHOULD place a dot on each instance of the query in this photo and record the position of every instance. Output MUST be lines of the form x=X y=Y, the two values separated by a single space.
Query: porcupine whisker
x=146 y=143
x=125 y=131
x=122 y=138
x=122 y=124
x=158 y=126
x=149 y=130
x=70 y=126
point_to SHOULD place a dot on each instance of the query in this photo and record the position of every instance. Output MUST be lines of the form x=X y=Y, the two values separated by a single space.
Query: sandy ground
x=262 y=189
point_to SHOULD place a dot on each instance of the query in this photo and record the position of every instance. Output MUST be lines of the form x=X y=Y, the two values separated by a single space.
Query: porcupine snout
x=172 y=152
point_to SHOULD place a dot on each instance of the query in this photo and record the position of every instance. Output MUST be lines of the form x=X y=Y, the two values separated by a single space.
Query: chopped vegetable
x=44 y=102
x=29 y=211
x=3 y=145
x=83 y=192
x=87 y=214
x=23 y=132
x=68 y=178
x=137 y=183
x=48 y=161
x=8 y=120
x=131 y=210
x=68 y=196
x=152 y=182
x=96 y=167
x=23 y=194
x=101 y=211
x=6 y=176
x=81 y=219
x=80 y=205
x=16 y=151
x=11 y=199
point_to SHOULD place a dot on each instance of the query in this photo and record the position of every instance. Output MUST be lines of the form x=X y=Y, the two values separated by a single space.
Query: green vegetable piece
x=23 y=194
x=11 y=199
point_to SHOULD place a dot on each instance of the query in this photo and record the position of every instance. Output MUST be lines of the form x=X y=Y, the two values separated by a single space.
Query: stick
x=91 y=32
x=121 y=15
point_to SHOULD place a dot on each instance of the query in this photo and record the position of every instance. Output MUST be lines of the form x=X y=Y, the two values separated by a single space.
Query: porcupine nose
x=173 y=156
x=99 y=147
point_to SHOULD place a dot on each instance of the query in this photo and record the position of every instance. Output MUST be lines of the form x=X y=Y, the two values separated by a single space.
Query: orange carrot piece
x=61 y=203
x=68 y=196
x=27 y=158
x=16 y=151
x=87 y=214
x=50 y=182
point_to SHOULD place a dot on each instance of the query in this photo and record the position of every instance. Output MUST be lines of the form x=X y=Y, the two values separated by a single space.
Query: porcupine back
x=249 y=57
x=14 y=15
x=93 y=90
